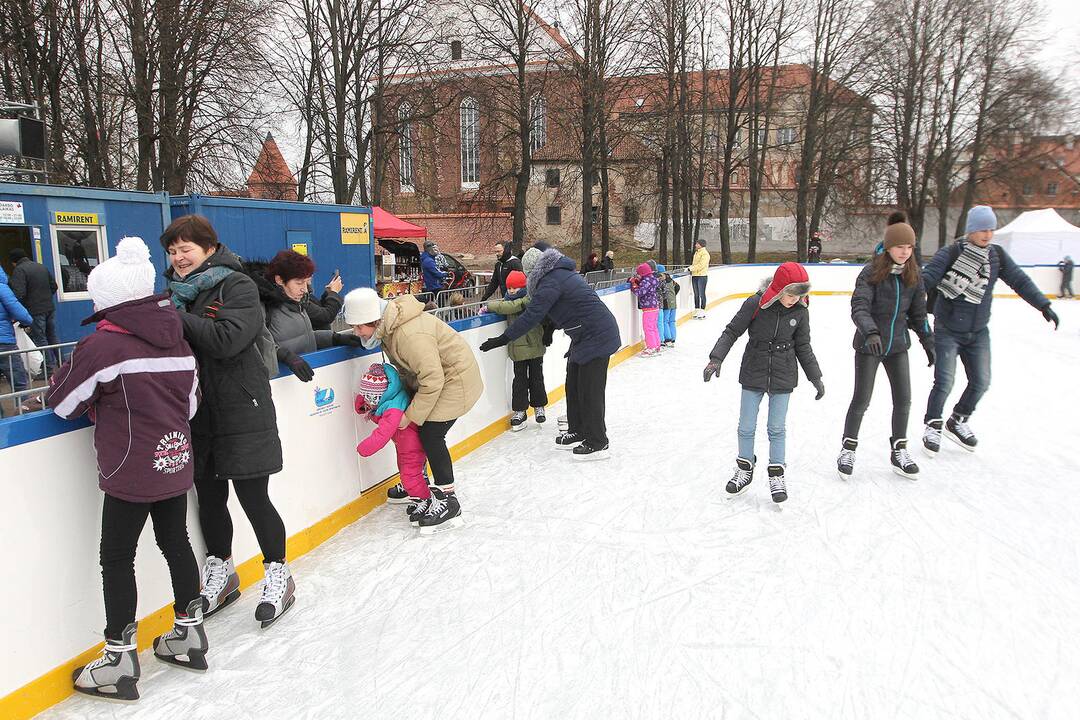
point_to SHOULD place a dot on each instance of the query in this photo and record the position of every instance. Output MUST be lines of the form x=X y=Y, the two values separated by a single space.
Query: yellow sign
x=355 y=229
x=76 y=218
x=300 y=248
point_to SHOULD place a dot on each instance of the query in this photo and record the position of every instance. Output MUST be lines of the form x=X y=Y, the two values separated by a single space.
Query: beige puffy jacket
x=435 y=363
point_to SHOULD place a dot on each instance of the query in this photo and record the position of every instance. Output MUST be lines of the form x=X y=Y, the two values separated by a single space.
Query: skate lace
x=903 y=457
x=422 y=506
x=847 y=458
x=436 y=507
x=742 y=478
x=776 y=484
x=932 y=433
x=214 y=578
x=108 y=655
x=961 y=428
x=274 y=586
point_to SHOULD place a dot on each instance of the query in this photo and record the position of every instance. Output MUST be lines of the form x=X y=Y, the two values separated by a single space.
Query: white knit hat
x=128 y=275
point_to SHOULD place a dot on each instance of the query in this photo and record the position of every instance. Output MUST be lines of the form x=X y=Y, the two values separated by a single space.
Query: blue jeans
x=11 y=367
x=699 y=290
x=667 y=324
x=974 y=352
x=748 y=412
x=43 y=332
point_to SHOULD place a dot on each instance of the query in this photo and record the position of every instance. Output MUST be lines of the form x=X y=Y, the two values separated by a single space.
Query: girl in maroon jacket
x=136 y=377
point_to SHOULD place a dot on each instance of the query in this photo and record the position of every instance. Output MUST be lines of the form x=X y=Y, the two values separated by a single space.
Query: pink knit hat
x=373 y=384
x=644 y=269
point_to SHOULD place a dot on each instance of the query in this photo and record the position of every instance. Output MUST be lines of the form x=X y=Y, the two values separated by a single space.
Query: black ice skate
x=398 y=495
x=278 y=595
x=517 y=421
x=220 y=585
x=902 y=464
x=568 y=440
x=845 y=464
x=744 y=475
x=957 y=430
x=417 y=511
x=540 y=415
x=443 y=513
x=185 y=645
x=585 y=451
x=776 y=483
x=931 y=438
x=114 y=675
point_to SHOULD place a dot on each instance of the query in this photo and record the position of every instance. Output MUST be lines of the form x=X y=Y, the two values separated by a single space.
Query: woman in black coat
x=888 y=299
x=234 y=432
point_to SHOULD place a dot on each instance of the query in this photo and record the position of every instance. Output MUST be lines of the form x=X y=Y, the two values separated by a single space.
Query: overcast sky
x=1061 y=29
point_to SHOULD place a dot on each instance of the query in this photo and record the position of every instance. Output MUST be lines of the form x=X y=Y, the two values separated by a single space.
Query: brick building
x=270 y=178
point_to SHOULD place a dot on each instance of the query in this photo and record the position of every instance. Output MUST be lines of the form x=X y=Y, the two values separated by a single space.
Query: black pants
x=866 y=366
x=121 y=524
x=433 y=439
x=586 y=392
x=528 y=390
x=217 y=524
x=699 y=290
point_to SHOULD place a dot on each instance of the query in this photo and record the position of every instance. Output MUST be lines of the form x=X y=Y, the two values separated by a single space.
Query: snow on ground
x=635 y=589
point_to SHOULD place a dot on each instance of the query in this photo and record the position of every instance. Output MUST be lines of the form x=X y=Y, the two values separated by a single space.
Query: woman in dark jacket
x=889 y=298
x=778 y=321
x=234 y=433
x=284 y=290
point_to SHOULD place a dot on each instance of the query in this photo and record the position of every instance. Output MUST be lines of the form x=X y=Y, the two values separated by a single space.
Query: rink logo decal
x=173 y=453
x=324 y=402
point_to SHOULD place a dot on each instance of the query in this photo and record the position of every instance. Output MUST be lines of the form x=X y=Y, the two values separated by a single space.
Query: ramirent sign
x=75 y=218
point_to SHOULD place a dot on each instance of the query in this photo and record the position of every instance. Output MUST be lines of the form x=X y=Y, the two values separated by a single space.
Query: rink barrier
x=54 y=686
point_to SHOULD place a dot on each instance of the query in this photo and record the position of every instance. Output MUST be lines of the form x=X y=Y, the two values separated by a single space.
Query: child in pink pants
x=646 y=286
x=383 y=399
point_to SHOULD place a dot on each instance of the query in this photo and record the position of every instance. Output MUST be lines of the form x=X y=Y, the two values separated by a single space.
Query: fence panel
x=26 y=374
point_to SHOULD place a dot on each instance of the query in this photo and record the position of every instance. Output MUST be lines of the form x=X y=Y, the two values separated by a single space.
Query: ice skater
x=527 y=354
x=136 y=377
x=645 y=286
x=699 y=277
x=888 y=299
x=960 y=283
x=669 y=300
x=778 y=321
x=1066 y=268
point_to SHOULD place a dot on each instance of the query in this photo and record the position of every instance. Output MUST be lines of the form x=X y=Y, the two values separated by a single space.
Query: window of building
x=1029 y=189
x=785 y=135
x=405 y=148
x=1051 y=188
x=538 y=121
x=470 y=144
x=455 y=50
x=552 y=177
x=77 y=250
x=631 y=215
x=762 y=138
x=554 y=215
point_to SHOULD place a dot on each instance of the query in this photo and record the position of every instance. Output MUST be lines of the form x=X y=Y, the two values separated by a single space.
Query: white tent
x=1039 y=237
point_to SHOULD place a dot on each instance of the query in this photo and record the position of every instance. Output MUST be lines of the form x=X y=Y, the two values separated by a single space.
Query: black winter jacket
x=504 y=265
x=236 y=425
x=777 y=337
x=34 y=286
x=288 y=320
x=888 y=308
x=323 y=311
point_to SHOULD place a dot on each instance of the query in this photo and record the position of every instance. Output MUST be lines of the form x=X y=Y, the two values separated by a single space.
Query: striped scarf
x=968 y=276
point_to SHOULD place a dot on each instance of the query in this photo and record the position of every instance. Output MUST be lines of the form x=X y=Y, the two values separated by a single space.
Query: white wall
x=50 y=520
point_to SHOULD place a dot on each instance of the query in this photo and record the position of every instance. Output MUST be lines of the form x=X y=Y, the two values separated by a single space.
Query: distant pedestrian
x=1066 y=267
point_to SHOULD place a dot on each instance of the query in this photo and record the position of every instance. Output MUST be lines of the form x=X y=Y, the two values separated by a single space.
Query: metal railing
x=17 y=369
x=605 y=284
x=458 y=312
x=469 y=294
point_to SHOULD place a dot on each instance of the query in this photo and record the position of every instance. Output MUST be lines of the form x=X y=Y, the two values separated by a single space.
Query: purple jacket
x=648 y=292
x=137 y=378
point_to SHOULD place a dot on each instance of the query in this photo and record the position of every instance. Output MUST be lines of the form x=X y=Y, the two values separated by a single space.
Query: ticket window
x=12 y=237
x=77 y=250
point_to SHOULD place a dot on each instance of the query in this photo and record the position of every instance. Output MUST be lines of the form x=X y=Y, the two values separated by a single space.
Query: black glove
x=494 y=342
x=297 y=364
x=820 y=388
x=1051 y=316
x=347 y=339
x=549 y=334
x=931 y=354
x=713 y=368
x=873 y=344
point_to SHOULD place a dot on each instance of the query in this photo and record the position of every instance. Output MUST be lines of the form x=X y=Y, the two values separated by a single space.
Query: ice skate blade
x=229 y=600
x=196 y=662
x=517 y=428
x=126 y=690
x=571 y=446
x=594 y=456
x=736 y=494
x=267 y=623
x=930 y=453
x=399 y=501
x=451 y=524
x=901 y=473
x=844 y=476
x=959 y=442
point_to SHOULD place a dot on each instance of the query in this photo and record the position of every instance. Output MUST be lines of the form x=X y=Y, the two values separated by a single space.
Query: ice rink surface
x=634 y=588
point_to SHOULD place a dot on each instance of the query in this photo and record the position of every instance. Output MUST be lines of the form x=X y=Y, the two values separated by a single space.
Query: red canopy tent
x=390 y=226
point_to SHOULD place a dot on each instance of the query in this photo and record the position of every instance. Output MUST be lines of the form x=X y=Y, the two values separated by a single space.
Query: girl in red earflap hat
x=777 y=319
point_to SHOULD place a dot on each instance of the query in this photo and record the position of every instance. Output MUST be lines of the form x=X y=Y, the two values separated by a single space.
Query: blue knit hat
x=980 y=217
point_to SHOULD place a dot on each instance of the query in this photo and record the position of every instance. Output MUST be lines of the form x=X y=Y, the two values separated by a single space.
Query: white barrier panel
x=52 y=608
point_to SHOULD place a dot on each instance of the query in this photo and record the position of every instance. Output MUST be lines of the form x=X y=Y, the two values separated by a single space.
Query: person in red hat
x=777 y=319
x=527 y=353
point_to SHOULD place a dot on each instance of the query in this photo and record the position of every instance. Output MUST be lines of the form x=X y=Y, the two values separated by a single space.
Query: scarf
x=969 y=274
x=185 y=291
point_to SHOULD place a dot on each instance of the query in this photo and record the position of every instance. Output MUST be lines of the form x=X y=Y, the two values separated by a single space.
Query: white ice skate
x=278 y=595
x=220 y=585
x=115 y=675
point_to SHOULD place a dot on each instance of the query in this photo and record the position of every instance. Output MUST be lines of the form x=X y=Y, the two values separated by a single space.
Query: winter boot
x=443 y=513
x=563 y=423
x=957 y=430
x=517 y=421
x=278 y=594
x=220 y=585
x=845 y=464
x=185 y=645
x=115 y=674
x=744 y=475
x=776 y=483
x=418 y=511
x=902 y=464
x=585 y=451
x=568 y=440
x=540 y=415
x=398 y=495
x=931 y=437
